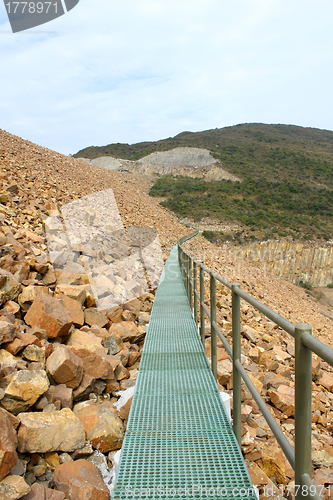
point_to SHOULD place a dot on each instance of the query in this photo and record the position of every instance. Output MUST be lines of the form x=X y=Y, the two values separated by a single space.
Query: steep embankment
x=45 y=178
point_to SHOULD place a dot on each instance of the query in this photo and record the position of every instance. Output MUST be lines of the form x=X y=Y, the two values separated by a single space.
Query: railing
x=300 y=457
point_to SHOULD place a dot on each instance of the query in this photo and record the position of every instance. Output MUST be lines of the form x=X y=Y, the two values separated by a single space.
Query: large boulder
x=55 y=431
x=104 y=429
x=97 y=363
x=51 y=314
x=24 y=389
x=94 y=356
x=80 y=480
x=65 y=367
x=8 y=457
x=127 y=331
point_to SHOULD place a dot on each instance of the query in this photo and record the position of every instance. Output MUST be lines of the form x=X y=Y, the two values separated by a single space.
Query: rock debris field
x=81 y=252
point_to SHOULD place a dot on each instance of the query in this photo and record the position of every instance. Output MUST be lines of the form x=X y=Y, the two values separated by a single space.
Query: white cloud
x=131 y=71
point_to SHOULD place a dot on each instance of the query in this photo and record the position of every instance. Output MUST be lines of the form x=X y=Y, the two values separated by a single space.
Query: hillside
x=287 y=175
x=277 y=152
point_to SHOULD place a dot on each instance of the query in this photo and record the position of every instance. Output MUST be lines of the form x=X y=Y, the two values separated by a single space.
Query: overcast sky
x=129 y=71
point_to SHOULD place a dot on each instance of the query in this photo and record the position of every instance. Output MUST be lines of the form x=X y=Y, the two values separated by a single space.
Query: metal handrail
x=300 y=457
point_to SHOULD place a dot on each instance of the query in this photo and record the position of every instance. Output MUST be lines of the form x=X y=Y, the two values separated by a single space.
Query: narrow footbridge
x=179 y=443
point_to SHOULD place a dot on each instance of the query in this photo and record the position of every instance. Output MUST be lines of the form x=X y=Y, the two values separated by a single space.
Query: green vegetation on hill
x=275 y=208
x=287 y=174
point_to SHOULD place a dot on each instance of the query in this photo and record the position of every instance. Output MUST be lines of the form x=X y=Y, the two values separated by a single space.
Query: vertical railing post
x=180 y=260
x=185 y=271
x=202 y=312
x=213 y=337
x=195 y=286
x=236 y=356
x=190 y=279
x=303 y=411
x=187 y=276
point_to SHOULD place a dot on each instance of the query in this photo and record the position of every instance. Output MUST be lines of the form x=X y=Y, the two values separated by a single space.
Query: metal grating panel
x=178 y=382
x=179 y=443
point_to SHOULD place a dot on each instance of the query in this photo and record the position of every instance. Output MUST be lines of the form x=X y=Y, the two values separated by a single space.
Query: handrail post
x=213 y=336
x=190 y=287
x=202 y=312
x=185 y=273
x=236 y=355
x=188 y=276
x=180 y=258
x=303 y=400
x=195 y=286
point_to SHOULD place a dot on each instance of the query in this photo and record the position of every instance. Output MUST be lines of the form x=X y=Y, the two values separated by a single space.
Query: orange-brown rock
x=55 y=431
x=65 y=367
x=97 y=363
x=24 y=389
x=8 y=457
x=127 y=331
x=283 y=399
x=121 y=372
x=134 y=306
x=7 y=331
x=326 y=380
x=125 y=409
x=76 y=292
x=21 y=341
x=85 y=388
x=224 y=371
x=80 y=480
x=94 y=317
x=75 y=310
x=39 y=492
x=51 y=314
x=60 y=393
x=84 y=340
x=10 y=288
x=103 y=427
x=13 y=488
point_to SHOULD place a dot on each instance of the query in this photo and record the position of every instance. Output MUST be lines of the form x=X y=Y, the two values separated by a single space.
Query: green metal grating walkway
x=179 y=443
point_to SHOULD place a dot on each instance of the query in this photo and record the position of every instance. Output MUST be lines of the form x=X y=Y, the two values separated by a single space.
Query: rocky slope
x=63 y=356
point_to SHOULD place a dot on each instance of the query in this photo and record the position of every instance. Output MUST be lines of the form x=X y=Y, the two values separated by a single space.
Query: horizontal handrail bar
x=276 y=318
x=222 y=280
x=318 y=347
